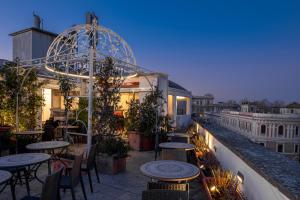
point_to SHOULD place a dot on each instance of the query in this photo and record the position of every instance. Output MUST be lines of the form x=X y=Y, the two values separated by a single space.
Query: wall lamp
x=240 y=177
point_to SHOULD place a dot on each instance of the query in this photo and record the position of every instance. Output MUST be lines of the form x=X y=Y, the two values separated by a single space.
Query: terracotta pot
x=110 y=164
x=140 y=142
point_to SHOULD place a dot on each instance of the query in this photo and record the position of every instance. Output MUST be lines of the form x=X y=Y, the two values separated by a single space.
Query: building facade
x=277 y=132
x=293 y=108
x=202 y=104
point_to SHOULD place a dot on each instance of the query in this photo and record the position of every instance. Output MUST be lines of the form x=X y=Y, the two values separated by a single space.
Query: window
x=280 y=130
x=296 y=148
x=181 y=106
x=280 y=148
x=263 y=129
x=296 y=131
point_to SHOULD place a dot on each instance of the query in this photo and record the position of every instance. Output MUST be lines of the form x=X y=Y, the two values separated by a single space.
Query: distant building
x=33 y=42
x=254 y=107
x=230 y=105
x=202 y=104
x=293 y=108
x=278 y=132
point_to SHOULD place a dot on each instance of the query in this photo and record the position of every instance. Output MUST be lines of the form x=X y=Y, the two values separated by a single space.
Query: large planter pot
x=140 y=142
x=110 y=164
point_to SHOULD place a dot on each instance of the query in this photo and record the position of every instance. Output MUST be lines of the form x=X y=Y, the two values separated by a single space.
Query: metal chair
x=164 y=195
x=90 y=165
x=74 y=178
x=50 y=188
x=168 y=186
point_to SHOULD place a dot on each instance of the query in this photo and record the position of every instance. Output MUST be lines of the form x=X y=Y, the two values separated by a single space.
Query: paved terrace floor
x=123 y=186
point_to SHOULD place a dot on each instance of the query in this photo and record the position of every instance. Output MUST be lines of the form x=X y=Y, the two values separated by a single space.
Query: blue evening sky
x=232 y=49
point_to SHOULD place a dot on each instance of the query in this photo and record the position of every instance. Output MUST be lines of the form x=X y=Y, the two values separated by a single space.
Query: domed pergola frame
x=74 y=53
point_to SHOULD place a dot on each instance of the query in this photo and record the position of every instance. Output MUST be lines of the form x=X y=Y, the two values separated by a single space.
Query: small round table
x=175 y=150
x=30 y=161
x=50 y=147
x=179 y=137
x=176 y=145
x=170 y=170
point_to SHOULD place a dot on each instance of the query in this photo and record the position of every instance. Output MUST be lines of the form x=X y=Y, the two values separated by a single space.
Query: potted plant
x=112 y=149
x=223 y=185
x=113 y=152
x=142 y=121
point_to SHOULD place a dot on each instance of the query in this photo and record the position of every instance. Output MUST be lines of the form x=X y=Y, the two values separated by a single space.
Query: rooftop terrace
x=124 y=186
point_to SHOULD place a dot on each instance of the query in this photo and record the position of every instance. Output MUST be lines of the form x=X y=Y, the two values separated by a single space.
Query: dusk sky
x=232 y=49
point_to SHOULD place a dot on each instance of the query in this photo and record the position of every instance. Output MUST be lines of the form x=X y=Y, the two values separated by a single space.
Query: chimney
x=89 y=17
x=36 y=21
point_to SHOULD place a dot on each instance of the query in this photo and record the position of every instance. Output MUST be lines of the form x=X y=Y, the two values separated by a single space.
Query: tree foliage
x=66 y=86
x=23 y=83
x=107 y=88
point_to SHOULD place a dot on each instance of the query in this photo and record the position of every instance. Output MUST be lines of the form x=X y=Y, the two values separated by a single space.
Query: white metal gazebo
x=74 y=53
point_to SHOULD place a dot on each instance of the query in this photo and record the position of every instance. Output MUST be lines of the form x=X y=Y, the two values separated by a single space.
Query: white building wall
x=255 y=186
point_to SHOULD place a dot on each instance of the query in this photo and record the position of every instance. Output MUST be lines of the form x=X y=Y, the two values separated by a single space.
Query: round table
x=4 y=176
x=30 y=133
x=176 y=145
x=179 y=137
x=48 y=145
x=30 y=161
x=170 y=170
x=23 y=160
x=176 y=150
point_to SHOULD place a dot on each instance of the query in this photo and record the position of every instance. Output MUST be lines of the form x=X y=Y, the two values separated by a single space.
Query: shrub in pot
x=143 y=121
x=113 y=152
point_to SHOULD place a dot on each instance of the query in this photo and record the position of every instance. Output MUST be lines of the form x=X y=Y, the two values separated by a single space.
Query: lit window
x=263 y=129
x=280 y=148
x=280 y=130
x=181 y=105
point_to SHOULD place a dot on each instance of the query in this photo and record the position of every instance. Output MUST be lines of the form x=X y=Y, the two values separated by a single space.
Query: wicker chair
x=164 y=195
x=50 y=188
x=168 y=186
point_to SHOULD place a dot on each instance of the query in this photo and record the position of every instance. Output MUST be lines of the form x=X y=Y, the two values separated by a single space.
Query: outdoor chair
x=164 y=195
x=90 y=164
x=50 y=188
x=73 y=178
x=168 y=186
